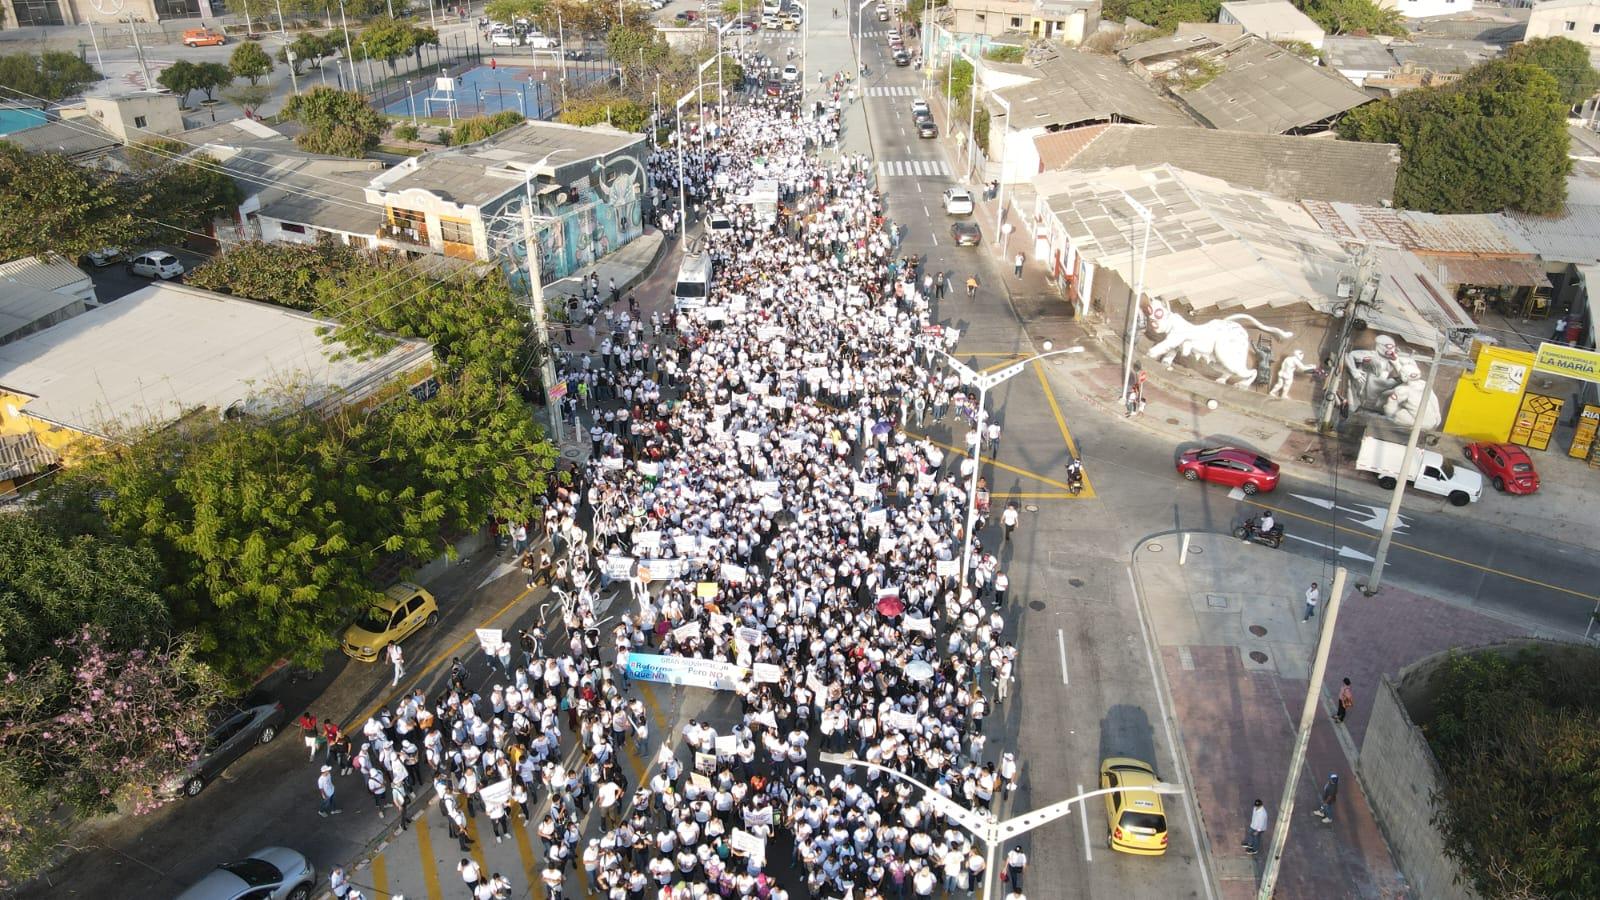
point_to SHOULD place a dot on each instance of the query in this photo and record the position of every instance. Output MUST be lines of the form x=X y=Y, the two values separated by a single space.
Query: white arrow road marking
x=1237 y=494
x=1343 y=550
x=1368 y=516
x=1087 y=853
x=500 y=571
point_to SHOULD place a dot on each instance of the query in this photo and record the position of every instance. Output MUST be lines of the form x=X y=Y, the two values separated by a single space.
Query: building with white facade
x=1275 y=20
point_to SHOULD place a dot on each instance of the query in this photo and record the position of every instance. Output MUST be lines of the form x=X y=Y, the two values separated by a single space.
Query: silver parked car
x=271 y=873
x=155 y=264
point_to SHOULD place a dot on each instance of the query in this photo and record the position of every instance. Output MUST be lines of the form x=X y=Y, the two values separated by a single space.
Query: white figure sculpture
x=1373 y=373
x=1221 y=342
x=1291 y=366
x=1411 y=399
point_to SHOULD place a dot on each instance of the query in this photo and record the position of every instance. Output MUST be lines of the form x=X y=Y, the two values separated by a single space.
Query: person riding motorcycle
x=1265 y=524
x=1075 y=476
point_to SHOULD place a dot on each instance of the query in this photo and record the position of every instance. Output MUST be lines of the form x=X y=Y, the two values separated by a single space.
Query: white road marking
x=1237 y=494
x=1061 y=641
x=1172 y=742
x=925 y=206
x=1368 y=516
x=1088 y=854
x=1343 y=550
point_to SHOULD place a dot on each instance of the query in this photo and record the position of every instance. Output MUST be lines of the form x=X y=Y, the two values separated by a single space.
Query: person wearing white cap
x=325 y=790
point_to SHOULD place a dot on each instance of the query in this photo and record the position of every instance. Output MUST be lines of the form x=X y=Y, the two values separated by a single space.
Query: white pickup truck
x=1429 y=471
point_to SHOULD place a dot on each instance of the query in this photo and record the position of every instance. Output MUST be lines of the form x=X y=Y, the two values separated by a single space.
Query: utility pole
x=1308 y=715
x=1138 y=294
x=288 y=54
x=541 y=331
x=138 y=50
x=349 y=54
x=1363 y=292
x=1376 y=578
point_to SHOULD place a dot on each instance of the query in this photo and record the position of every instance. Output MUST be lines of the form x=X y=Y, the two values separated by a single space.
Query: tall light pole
x=541 y=328
x=860 y=63
x=349 y=54
x=984 y=382
x=561 y=54
x=288 y=54
x=1000 y=202
x=1138 y=291
x=1297 y=759
x=722 y=103
x=683 y=203
x=986 y=826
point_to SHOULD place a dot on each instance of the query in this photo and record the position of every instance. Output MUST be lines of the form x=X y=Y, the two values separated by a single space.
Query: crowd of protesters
x=751 y=449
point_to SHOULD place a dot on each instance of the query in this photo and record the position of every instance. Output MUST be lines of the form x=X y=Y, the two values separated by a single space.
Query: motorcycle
x=1251 y=531
x=1075 y=480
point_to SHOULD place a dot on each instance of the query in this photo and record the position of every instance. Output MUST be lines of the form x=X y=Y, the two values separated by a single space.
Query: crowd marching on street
x=755 y=446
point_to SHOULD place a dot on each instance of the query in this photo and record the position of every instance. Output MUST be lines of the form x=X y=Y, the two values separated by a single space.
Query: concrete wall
x=1400 y=776
x=1578 y=23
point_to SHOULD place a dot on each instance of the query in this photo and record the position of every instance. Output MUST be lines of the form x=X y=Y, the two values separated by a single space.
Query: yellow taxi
x=1135 y=819
x=403 y=608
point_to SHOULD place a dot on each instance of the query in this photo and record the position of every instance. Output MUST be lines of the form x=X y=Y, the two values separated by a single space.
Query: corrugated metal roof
x=1265 y=88
x=52 y=274
x=1420 y=231
x=22 y=455
x=1058 y=148
x=1211 y=244
x=1075 y=88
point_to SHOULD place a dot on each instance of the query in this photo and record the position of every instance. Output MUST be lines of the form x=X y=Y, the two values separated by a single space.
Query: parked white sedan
x=958 y=202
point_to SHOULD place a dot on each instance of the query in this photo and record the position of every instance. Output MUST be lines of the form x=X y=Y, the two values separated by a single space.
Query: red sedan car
x=1507 y=465
x=1246 y=470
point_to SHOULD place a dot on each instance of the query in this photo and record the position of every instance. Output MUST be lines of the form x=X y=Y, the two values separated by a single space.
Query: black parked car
x=237 y=729
x=966 y=234
x=927 y=128
x=902 y=58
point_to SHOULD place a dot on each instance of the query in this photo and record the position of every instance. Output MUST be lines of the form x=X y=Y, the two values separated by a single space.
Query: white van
x=694 y=281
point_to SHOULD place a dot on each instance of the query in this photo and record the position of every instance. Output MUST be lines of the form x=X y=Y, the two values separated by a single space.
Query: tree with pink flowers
x=90 y=728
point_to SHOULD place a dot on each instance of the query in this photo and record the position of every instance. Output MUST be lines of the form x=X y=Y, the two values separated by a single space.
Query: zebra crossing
x=893 y=90
x=914 y=168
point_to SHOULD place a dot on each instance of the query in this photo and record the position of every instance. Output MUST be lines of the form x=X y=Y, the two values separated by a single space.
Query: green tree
x=181 y=78
x=1163 y=15
x=51 y=75
x=1566 y=60
x=1355 y=17
x=210 y=76
x=470 y=131
x=640 y=53
x=308 y=48
x=509 y=11
x=248 y=97
x=1495 y=140
x=621 y=112
x=336 y=122
x=186 y=197
x=389 y=39
x=48 y=204
x=250 y=61
x=273 y=272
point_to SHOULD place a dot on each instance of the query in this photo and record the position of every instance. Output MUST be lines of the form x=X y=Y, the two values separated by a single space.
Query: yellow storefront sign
x=1573 y=362
x=1583 y=443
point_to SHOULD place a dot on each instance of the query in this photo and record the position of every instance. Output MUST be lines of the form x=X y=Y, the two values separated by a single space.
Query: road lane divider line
x=477 y=845
x=430 y=874
x=519 y=833
x=1088 y=852
x=1066 y=436
x=380 y=875
x=1061 y=641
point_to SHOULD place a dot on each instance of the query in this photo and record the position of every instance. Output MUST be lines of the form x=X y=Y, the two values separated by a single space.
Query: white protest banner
x=763 y=488
x=611 y=462
x=684 y=671
x=663 y=569
x=750 y=636
x=687 y=631
x=719 y=622
x=617 y=566
x=818 y=374
x=490 y=639
x=767 y=673
x=721 y=410
x=646 y=541
x=865 y=489
x=700 y=782
x=790 y=445
x=744 y=842
x=816 y=686
x=705 y=762
x=727 y=745
x=902 y=720
x=886 y=543
x=768 y=332
x=761 y=388
x=776 y=401
x=771 y=505
x=913 y=623
x=747 y=438
x=649 y=469
x=766 y=717
x=686 y=543
x=875 y=518
x=946 y=568
x=497 y=794
x=733 y=573
x=738 y=303
x=715 y=314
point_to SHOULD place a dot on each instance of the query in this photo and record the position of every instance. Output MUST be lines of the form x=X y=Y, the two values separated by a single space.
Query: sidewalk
x=1236 y=655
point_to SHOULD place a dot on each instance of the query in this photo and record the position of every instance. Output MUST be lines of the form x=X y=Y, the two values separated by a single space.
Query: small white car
x=790 y=73
x=503 y=39
x=919 y=108
x=155 y=264
x=542 y=41
x=771 y=22
x=958 y=202
x=105 y=256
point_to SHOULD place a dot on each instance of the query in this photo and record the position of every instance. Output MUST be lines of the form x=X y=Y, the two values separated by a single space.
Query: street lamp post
x=861 y=64
x=530 y=239
x=985 y=381
x=1138 y=291
x=987 y=827
x=683 y=203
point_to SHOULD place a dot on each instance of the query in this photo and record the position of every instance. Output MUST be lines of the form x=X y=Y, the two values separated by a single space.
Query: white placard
x=733 y=573
x=763 y=488
x=946 y=568
x=750 y=636
x=866 y=490
x=647 y=540
x=903 y=720
x=617 y=566
x=767 y=673
x=912 y=623
x=765 y=717
x=776 y=401
x=685 y=671
x=490 y=639
x=771 y=505
x=744 y=842
x=727 y=745
x=611 y=462
x=747 y=438
x=649 y=469
x=761 y=388
x=497 y=794
x=714 y=313
x=875 y=518
x=663 y=569
x=886 y=543
x=768 y=332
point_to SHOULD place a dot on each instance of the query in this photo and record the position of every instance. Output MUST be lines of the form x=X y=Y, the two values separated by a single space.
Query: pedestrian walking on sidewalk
x=470 y=874
x=552 y=878
x=972 y=287
x=309 y=734
x=1016 y=862
x=1347 y=699
x=398 y=660
x=1313 y=594
x=325 y=791
x=1330 y=793
x=338 y=884
x=1257 y=827
x=1016 y=265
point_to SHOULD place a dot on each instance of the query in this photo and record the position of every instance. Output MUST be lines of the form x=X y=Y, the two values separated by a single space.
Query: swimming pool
x=534 y=91
x=14 y=119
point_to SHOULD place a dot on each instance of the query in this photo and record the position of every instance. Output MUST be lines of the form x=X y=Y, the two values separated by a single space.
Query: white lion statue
x=1221 y=342
x=1411 y=399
